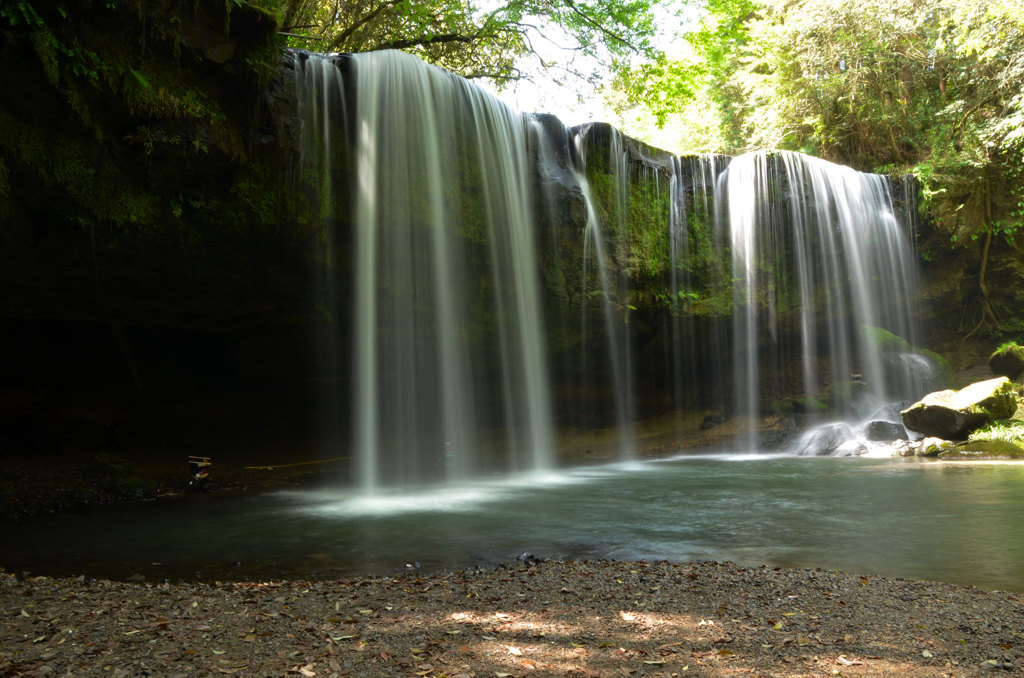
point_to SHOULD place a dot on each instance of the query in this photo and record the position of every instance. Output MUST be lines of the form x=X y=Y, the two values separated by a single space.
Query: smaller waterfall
x=691 y=216
x=823 y=278
x=614 y=292
x=323 y=146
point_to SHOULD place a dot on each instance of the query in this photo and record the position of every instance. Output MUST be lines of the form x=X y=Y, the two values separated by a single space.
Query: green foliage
x=476 y=39
x=934 y=87
x=1006 y=430
x=1008 y=347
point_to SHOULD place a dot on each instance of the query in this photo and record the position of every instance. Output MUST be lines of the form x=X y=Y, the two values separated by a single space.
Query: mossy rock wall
x=137 y=182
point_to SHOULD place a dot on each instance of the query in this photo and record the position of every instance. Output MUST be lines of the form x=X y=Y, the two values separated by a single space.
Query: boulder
x=1008 y=360
x=885 y=431
x=953 y=414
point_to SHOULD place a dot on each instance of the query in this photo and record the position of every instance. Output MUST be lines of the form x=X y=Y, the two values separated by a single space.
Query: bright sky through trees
x=573 y=100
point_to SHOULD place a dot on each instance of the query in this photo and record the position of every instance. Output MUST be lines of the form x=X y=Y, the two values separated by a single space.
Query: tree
x=478 y=39
x=698 y=86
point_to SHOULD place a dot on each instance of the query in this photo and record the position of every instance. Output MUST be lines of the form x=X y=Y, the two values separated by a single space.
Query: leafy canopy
x=479 y=38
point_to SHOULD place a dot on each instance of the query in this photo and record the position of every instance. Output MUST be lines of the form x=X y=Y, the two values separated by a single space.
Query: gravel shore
x=532 y=618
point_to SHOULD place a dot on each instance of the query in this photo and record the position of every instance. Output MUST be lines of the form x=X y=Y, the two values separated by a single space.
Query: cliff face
x=137 y=183
x=151 y=268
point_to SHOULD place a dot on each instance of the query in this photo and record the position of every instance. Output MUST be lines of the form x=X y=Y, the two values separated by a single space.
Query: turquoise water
x=900 y=518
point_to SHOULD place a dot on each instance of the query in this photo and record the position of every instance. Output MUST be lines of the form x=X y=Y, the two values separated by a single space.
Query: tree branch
x=597 y=25
x=420 y=42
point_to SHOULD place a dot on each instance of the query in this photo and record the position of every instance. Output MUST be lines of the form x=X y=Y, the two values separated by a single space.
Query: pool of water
x=904 y=518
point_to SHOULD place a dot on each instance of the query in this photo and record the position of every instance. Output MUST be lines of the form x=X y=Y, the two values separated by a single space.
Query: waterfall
x=449 y=375
x=614 y=294
x=481 y=274
x=823 y=276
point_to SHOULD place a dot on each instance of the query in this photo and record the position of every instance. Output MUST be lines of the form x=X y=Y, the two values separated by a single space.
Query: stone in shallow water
x=885 y=431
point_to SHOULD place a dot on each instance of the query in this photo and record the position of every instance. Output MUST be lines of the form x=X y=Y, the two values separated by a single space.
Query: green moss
x=70 y=167
x=809 y=405
x=985 y=449
x=884 y=341
x=1008 y=347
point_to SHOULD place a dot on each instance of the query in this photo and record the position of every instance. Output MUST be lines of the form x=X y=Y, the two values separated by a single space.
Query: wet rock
x=885 y=431
x=931 y=447
x=711 y=421
x=1007 y=360
x=904 y=448
x=953 y=414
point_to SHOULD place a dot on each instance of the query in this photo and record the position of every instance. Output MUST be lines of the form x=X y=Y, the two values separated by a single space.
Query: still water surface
x=903 y=518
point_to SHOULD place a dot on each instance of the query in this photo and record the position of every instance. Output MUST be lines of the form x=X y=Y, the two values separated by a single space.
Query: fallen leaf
x=515 y=651
x=849 y=662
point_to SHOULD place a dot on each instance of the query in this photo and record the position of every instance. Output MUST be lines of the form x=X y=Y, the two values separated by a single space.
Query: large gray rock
x=885 y=431
x=951 y=415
